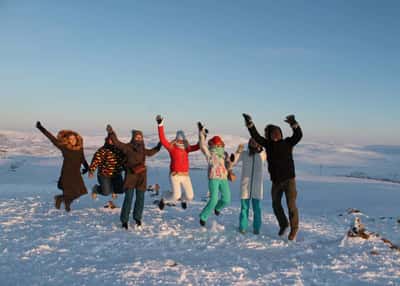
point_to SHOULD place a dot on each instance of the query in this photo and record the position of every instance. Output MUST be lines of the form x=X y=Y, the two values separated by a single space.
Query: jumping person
x=251 y=184
x=135 y=175
x=281 y=169
x=218 y=161
x=70 y=182
x=178 y=150
x=109 y=161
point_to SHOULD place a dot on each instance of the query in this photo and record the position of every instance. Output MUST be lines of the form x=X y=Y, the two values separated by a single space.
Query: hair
x=63 y=138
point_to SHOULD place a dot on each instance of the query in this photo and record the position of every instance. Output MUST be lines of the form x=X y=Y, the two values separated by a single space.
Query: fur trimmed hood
x=63 y=135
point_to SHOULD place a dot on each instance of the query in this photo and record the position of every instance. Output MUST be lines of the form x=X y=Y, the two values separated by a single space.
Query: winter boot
x=58 y=201
x=184 y=205
x=202 y=223
x=283 y=230
x=110 y=205
x=217 y=213
x=138 y=222
x=256 y=232
x=293 y=234
x=161 y=204
x=94 y=192
x=125 y=225
x=67 y=205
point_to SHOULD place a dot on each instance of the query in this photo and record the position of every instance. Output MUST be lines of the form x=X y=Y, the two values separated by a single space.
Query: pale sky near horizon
x=82 y=64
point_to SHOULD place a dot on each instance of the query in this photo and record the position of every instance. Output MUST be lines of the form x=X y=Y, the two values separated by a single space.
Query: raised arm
x=237 y=156
x=48 y=135
x=253 y=131
x=161 y=134
x=153 y=151
x=193 y=148
x=202 y=140
x=297 y=132
x=122 y=146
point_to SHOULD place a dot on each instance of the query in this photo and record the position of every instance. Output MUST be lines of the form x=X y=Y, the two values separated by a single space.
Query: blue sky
x=82 y=64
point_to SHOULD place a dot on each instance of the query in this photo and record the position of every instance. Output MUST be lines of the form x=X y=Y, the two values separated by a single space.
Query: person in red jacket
x=178 y=150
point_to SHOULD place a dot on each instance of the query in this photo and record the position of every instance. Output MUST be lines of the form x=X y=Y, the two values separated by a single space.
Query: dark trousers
x=127 y=205
x=109 y=185
x=288 y=188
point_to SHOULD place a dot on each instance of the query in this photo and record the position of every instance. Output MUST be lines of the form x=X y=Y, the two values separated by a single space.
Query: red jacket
x=179 y=156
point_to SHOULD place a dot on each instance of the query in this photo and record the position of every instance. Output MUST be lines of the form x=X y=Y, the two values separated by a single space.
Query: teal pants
x=215 y=203
x=244 y=214
x=127 y=205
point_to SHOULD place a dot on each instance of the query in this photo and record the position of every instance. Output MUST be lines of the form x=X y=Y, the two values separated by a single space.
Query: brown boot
x=68 y=205
x=293 y=234
x=58 y=201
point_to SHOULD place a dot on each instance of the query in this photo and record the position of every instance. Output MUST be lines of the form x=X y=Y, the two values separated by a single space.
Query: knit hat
x=216 y=141
x=180 y=135
x=136 y=132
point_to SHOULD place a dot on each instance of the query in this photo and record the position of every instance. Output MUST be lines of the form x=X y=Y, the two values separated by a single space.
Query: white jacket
x=253 y=168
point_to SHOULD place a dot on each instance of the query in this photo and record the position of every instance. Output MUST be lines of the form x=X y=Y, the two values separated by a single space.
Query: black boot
x=184 y=205
x=161 y=204
x=202 y=223
x=293 y=234
x=283 y=230
x=125 y=225
x=138 y=222
x=217 y=213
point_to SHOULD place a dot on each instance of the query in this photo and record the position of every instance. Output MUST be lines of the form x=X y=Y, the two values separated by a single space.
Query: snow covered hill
x=42 y=246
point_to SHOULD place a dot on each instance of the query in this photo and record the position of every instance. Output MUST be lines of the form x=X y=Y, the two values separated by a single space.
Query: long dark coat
x=70 y=181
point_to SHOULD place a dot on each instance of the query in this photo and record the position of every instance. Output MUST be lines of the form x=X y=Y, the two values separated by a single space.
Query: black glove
x=201 y=127
x=85 y=170
x=159 y=145
x=159 y=119
x=291 y=120
x=39 y=125
x=247 y=119
x=109 y=129
x=232 y=158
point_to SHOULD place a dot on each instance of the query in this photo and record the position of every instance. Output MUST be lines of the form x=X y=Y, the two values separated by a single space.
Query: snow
x=40 y=245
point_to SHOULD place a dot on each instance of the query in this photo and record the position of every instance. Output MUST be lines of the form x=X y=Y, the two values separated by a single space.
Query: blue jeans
x=127 y=205
x=109 y=185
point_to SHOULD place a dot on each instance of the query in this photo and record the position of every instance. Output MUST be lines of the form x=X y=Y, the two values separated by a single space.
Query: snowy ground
x=42 y=246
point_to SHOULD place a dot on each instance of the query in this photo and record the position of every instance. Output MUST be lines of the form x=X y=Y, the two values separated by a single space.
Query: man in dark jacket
x=135 y=175
x=281 y=169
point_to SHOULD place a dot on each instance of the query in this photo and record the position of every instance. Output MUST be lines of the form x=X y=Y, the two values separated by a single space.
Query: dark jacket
x=70 y=181
x=136 y=173
x=279 y=154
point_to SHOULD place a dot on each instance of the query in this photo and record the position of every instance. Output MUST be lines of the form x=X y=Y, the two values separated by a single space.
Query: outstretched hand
x=240 y=148
x=109 y=129
x=202 y=128
x=84 y=171
x=247 y=119
x=39 y=125
x=159 y=119
x=291 y=120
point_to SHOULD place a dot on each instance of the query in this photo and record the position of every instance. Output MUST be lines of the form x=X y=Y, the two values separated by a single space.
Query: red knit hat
x=216 y=141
